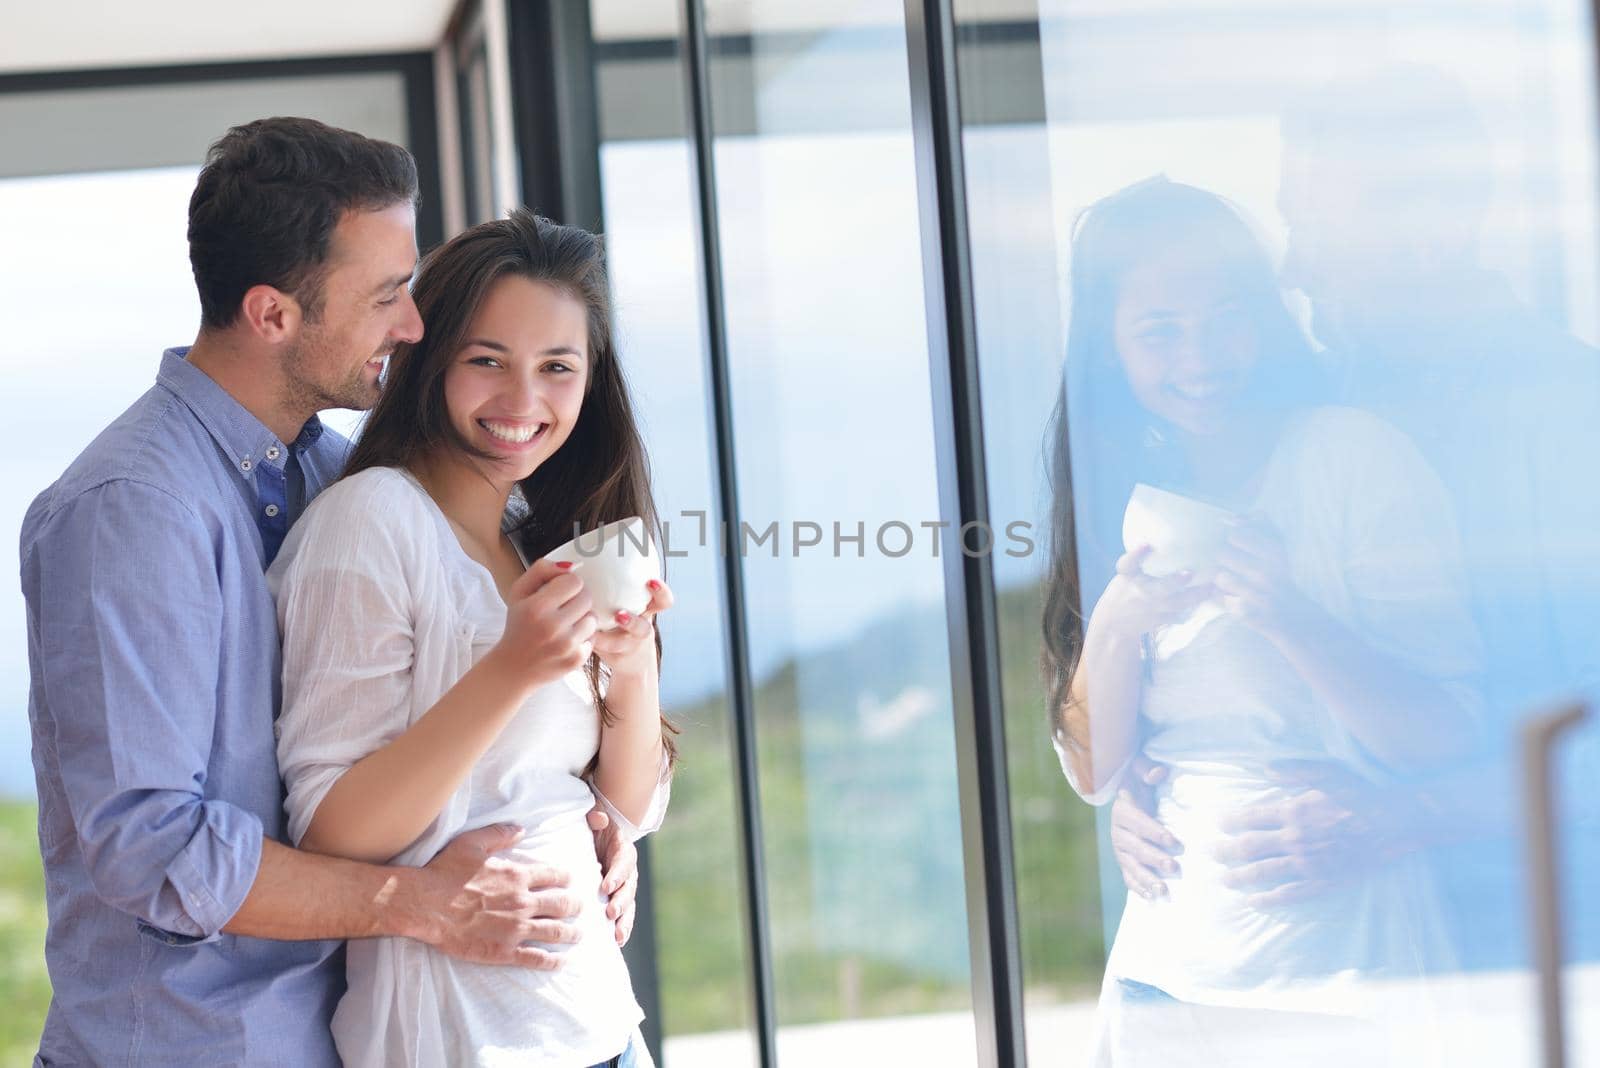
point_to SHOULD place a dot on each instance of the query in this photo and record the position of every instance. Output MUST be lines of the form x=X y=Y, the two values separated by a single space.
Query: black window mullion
x=963 y=498
x=740 y=688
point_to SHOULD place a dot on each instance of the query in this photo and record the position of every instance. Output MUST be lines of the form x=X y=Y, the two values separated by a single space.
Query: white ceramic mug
x=1183 y=534
x=615 y=562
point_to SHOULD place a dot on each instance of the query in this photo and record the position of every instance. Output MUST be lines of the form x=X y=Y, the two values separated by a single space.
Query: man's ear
x=271 y=314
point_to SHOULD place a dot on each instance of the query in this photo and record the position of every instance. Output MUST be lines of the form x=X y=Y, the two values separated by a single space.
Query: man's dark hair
x=267 y=201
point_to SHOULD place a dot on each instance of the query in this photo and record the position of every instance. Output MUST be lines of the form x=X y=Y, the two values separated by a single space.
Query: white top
x=1371 y=539
x=381 y=612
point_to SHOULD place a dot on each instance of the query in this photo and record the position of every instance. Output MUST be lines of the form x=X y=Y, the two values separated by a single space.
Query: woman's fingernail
x=623 y=618
x=652 y=585
x=565 y=565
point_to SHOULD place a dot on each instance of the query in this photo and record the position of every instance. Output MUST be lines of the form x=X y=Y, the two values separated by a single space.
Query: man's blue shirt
x=153 y=649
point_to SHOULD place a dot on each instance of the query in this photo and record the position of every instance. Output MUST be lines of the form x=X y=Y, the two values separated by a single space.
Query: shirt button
x=274 y=452
x=271 y=510
x=245 y=464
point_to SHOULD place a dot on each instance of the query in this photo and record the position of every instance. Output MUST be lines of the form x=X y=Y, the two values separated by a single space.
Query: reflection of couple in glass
x=1284 y=588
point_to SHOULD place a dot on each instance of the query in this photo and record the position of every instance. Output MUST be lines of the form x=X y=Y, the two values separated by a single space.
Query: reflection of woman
x=1328 y=625
x=434 y=682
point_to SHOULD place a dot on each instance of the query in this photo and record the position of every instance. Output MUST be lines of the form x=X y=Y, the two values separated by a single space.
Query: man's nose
x=410 y=329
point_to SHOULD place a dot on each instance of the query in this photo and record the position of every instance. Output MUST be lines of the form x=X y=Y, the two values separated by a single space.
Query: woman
x=1327 y=625
x=434 y=682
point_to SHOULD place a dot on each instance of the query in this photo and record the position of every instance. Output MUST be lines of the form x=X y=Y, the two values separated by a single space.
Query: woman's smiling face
x=516 y=384
x=1185 y=339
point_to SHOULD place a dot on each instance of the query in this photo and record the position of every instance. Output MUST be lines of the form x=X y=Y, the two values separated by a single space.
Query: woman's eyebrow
x=554 y=350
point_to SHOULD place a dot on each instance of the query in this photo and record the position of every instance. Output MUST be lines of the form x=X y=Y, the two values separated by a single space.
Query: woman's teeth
x=515 y=435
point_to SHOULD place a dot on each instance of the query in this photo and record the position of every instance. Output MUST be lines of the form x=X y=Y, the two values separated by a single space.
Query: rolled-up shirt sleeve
x=1108 y=789
x=130 y=628
x=655 y=812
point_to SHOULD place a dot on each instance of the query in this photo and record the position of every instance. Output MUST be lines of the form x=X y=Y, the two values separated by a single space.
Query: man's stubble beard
x=304 y=392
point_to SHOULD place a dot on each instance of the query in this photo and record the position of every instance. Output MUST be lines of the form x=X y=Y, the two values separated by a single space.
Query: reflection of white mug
x=615 y=562
x=1183 y=534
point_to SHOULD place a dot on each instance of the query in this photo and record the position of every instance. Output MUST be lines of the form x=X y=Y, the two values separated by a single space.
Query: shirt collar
x=244 y=438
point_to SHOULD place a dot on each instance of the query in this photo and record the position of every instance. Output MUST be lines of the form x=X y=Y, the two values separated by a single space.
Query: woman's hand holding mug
x=630 y=648
x=1135 y=603
x=550 y=624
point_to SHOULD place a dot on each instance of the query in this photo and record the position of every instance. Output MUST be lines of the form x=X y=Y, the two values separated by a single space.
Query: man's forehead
x=380 y=241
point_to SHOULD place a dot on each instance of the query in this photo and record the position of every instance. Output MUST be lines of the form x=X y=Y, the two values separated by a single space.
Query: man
x=181 y=930
x=1385 y=188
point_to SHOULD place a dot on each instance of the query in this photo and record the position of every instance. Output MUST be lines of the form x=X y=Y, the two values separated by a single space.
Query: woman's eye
x=559 y=368
x=390 y=302
x=484 y=361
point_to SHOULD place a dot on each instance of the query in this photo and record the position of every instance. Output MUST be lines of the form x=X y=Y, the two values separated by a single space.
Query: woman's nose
x=1192 y=352
x=523 y=391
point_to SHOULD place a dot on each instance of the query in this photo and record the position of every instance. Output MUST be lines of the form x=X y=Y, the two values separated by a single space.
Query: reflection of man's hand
x=1330 y=828
x=1143 y=847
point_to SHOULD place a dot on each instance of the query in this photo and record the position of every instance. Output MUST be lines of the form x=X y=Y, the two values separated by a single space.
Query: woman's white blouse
x=381 y=612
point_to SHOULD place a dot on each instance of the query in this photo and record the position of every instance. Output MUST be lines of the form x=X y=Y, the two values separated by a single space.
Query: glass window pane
x=701 y=959
x=143 y=297
x=834 y=442
x=1286 y=317
x=697 y=874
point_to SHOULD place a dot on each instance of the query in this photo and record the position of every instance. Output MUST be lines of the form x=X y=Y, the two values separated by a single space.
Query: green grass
x=24 y=986
x=1053 y=832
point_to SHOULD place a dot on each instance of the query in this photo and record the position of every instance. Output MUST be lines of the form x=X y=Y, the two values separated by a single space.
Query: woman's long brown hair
x=601 y=473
